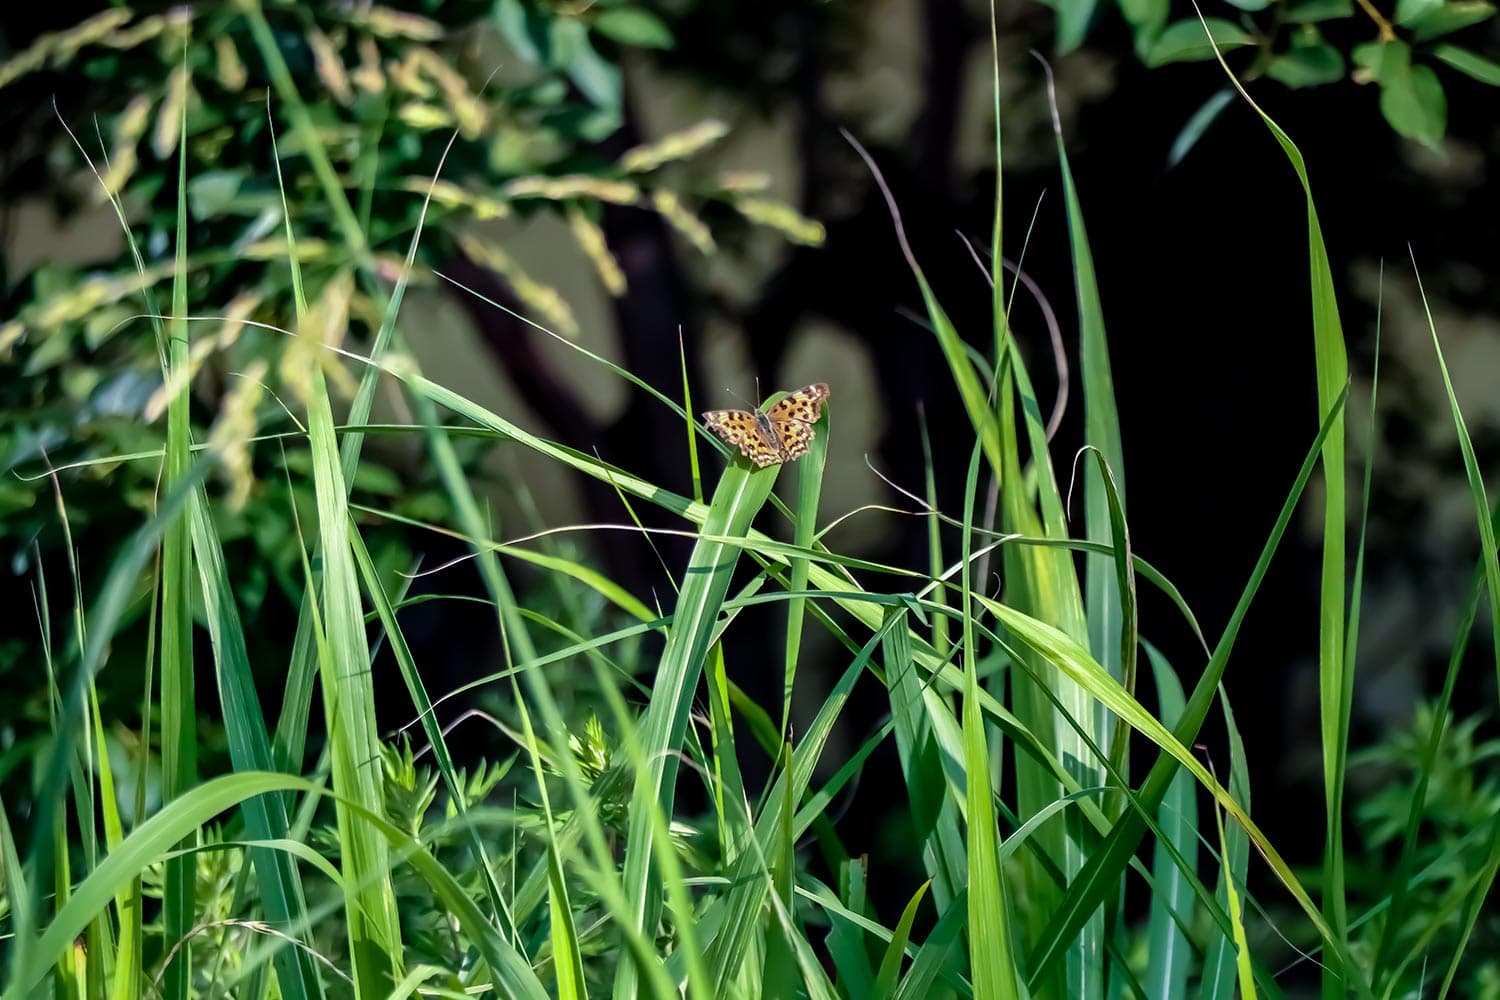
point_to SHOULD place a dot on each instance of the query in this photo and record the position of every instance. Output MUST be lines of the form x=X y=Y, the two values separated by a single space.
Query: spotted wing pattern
x=793 y=418
x=781 y=434
x=741 y=429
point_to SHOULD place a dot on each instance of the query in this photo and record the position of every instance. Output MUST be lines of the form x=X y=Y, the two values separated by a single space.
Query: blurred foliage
x=1458 y=804
x=1313 y=43
x=527 y=91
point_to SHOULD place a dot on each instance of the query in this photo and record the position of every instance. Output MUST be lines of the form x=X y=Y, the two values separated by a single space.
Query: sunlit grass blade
x=737 y=910
x=1216 y=979
x=1101 y=429
x=278 y=885
x=1100 y=875
x=349 y=697
x=109 y=608
x=804 y=528
x=1172 y=900
x=1244 y=973
x=179 y=707
x=890 y=963
x=990 y=957
x=343 y=653
x=937 y=952
x=935 y=815
x=739 y=495
x=1042 y=582
x=423 y=704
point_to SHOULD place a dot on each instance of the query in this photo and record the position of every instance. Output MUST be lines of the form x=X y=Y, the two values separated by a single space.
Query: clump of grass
x=571 y=869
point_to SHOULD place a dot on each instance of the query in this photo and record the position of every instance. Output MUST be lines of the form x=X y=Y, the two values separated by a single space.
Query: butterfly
x=780 y=434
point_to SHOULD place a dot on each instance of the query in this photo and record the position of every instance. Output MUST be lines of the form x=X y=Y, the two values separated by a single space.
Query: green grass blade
x=1172 y=899
x=1243 y=969
x=1216 y=980
x=990 y=959
x=1335 y=679
x=172 y=824
x=349 y=702
x=1042 y=583
x=890 y=964
x=179 y=707
x=423 y=704
x=737 y=498
x=115 y=597
x=846 y=937
x=1484 y=880
x=935 y=815
x=1100 y=876
x=278 y=885
x=937 y=953
x=1101 y=429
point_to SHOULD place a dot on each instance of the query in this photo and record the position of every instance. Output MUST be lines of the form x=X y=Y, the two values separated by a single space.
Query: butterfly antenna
x=748 y=405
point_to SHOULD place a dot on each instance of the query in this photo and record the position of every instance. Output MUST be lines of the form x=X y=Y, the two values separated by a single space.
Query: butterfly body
x=779 y=434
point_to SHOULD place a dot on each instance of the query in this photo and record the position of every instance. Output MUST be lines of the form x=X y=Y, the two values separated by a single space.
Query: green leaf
x=1147 y=17
x=1415 y=105
x=634 y=26
x=1309 y=62
x=1411 y=97
x=1249 y=4
x=1073 y=20
x=1468 y=63
x=1369 y=57
x=1310 y=11
x=1450 y=17
x=524 y=30
x=595 y=76
x=1408 y=11
x=1185 y=41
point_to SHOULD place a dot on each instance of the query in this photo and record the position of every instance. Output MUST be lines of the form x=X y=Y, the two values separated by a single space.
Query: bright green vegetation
x=569 y=869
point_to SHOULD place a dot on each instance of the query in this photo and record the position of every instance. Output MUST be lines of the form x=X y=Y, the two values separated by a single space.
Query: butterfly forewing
x=741 y=429
x=780 y=434
x=804 y=405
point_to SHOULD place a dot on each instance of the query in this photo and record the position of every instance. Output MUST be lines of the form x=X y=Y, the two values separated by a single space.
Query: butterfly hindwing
x=780 y=434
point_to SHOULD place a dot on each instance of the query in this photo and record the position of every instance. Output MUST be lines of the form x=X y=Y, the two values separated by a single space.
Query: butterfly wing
x=795 y=437
x=793 y=418
x=804 y=405
x=739 y=428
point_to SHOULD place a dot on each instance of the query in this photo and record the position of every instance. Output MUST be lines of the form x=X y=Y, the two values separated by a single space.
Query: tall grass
x=588 y=878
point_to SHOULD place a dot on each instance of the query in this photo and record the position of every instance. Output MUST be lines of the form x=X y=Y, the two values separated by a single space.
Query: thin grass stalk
x=179 y=739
